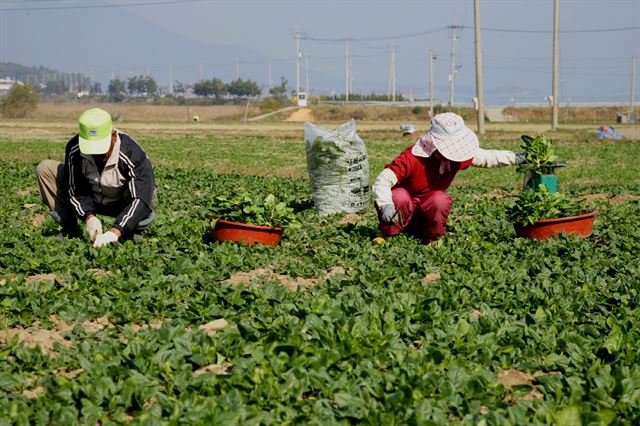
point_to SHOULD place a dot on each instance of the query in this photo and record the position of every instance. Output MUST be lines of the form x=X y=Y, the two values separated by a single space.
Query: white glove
x=105 y=239
x=389 y=214
x=94 y=227
x=494 y=158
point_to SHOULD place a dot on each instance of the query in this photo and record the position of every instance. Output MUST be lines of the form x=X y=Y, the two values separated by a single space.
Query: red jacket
x=420 y=175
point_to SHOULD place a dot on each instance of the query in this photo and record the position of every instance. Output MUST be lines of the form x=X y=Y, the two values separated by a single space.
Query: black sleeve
x=134 y=164
x=77 y=186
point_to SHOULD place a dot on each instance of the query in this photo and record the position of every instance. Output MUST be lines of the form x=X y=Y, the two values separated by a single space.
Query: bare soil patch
x=350 y=218
x=35 y=337
x=431 y=278
x=125 y=112
x=496 y=193
x=217 y=369
x=96 y=325
x=99 y=272
x=34 y=393
x=301 y=115
x=38 y=220
x=475 y=314
x=512 y=377
x=614 y=199
x=246 y=278
x=41 y=278
x=155 y=325
x=214 y=326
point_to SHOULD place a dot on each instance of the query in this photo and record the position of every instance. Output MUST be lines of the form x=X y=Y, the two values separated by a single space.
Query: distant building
x=6 y=84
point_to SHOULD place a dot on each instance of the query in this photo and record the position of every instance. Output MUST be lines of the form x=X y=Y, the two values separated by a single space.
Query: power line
x=381 y=38
x=564 y=59
x=600 y=30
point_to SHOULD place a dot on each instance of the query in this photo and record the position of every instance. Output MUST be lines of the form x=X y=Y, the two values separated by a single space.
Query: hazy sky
x=597 y=41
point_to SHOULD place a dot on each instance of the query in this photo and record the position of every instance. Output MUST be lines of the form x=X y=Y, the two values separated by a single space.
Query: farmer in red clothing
x=409 y=194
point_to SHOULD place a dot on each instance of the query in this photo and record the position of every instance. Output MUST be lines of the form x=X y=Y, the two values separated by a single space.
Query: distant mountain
x=106 y=41
x=38 y=74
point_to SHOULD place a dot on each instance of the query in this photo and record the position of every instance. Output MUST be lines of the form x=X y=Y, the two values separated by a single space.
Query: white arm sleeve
x=382 y=187
x=494 y=158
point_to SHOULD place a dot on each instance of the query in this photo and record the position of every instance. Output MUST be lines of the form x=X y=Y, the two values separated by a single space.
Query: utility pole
x=391 y=89
x=237 y=69
x=432 y=56
x=297 y=34
x=298 y=56
x=347 y=68
x=201 y=72
x=170 y=79
x=270 y=79
x=452 y=76
x=306 y=72
x=479 y=79
x=554 y=83
x=634 y=64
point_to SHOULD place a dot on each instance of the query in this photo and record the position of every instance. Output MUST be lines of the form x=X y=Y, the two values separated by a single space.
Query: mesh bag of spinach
x=338 y=167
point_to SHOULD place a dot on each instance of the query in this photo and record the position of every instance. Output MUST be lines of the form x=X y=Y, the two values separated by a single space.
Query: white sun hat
x=449 y=135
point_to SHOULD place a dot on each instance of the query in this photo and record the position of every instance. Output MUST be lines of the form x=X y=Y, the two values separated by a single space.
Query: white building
x=6 y=84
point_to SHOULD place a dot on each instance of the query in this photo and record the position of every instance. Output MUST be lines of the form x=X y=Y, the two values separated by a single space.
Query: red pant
x=423 y=217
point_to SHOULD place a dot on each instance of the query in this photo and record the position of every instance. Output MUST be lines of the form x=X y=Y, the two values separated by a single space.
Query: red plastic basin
x=226 y=230
x=580 y=225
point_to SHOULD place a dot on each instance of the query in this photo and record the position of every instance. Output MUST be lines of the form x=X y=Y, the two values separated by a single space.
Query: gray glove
x=389 y=214
x=521 y=157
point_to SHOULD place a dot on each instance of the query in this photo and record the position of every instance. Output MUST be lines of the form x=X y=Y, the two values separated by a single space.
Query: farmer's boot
x=144 y=223
x=66 y=218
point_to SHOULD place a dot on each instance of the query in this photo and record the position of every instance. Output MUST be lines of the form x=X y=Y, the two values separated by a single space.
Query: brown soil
x=350 y=218
x=155 y=325
x=496 y=193
x=246 y=278
x=41 y=278
x=38 y=220
x=214 y=326
x=301 y=115
x=431 y=278
x=96 y=325
x=512 y=377
x=45 y=338
x=615 y=199
x=35 y=337
x=218 y=369
x=34 y=393
x=125 y=112
x=475 y=314
x=99 y=272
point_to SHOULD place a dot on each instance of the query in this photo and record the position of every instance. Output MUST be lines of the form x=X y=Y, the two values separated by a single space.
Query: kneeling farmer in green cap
x=104 y=172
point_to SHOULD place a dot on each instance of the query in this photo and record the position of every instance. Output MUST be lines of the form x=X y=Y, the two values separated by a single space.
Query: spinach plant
x=539 y=157
x=533 y=206
x=246 y=208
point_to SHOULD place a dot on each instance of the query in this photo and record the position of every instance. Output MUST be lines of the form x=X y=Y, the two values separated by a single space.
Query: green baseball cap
x=95 y=131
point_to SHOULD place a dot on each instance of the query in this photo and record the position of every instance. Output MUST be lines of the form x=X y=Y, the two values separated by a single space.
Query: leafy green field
x=480 y=328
